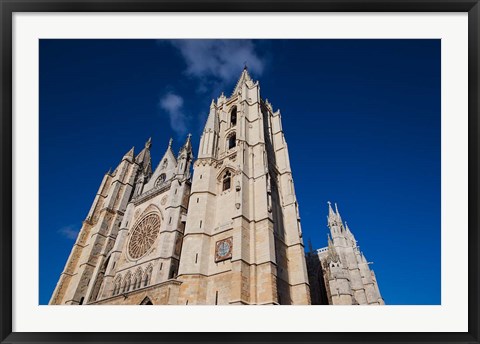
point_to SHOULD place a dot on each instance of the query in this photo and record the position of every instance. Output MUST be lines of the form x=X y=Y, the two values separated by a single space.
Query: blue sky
x=361 y=119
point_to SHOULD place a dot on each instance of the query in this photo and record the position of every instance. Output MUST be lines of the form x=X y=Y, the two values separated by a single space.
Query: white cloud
x=172 y=104
x=218 y=62
x=69 y=232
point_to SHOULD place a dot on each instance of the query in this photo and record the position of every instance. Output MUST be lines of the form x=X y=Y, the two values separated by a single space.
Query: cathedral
x=228 y=234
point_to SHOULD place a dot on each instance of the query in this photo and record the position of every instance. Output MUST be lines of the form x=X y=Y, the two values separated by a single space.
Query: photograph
x=240 y=172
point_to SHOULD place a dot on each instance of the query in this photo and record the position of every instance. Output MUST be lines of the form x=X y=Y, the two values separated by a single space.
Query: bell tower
x=243 y=240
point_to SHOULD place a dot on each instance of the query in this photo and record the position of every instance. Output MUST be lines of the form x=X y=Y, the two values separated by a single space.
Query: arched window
x=232 y=141
x=147 y=280
x=126 y=284
x=227 y=177
x=138 y=279
x=233 y=117
x=116 y=288
x=148 y=276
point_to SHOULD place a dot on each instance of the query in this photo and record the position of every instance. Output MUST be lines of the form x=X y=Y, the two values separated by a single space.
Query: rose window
x=143 y=236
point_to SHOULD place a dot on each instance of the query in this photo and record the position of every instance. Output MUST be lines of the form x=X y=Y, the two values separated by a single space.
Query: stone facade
x=229 y=235
x=339 y=274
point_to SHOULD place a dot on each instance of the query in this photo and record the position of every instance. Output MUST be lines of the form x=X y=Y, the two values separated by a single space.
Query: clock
x=223 y=249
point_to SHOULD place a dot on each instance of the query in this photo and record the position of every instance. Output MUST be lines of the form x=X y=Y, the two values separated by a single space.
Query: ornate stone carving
x=143 y=236
x=160 y=180
x=164 y=200
x=137 y=212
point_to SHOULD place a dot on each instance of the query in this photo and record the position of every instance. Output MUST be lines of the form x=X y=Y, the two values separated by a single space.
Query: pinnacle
x=130 y=153
x=148 y=144
x=243 y=78
x=330 y=210
x=187 y=146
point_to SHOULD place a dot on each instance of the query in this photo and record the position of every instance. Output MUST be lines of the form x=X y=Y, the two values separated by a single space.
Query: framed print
x=268 y=171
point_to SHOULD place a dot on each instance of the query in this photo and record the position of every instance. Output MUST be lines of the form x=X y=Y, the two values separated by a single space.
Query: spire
x=187 y=146
x=168 y=157
x=332 y=217
x=184 y=159
x=169 y=149
x=244 y=77
x=129 y=155
x=339 y=218
x=144 y=159
x=212 y=121
x=330 y=210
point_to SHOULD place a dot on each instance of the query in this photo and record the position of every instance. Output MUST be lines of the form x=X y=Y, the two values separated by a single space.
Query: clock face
x=223 y=249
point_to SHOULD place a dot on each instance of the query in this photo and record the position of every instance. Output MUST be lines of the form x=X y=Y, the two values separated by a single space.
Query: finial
x=170 y=143
x=130 y=153
x=330 y=210
x=336 y=208
x=245 y=65
x=189 y=136
x=212 y=104
x=148 y=144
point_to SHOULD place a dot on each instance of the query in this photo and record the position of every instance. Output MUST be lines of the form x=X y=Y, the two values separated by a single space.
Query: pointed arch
x=231 y=140
x=126 y=282
x=96 y=287
x=226 y=167
x=116 y=285
x=233 y=116
x=152 y=209
x=226 y=180
x=137 y=280
x=146 y=301
x=148 y=275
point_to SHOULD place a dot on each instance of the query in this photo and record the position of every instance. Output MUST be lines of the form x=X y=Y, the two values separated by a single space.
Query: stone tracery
x=144 y=235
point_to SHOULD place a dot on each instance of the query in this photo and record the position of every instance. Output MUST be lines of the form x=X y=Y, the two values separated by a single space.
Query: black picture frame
x=9 y=7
